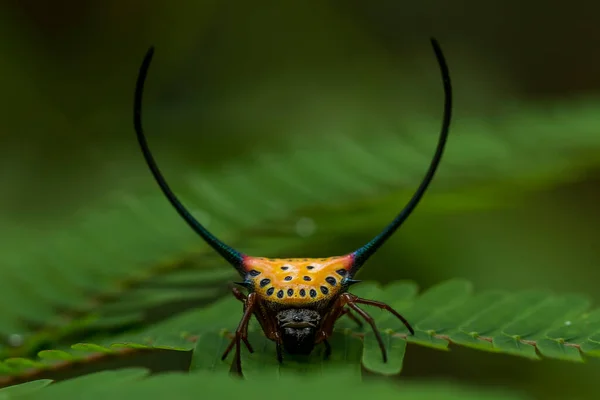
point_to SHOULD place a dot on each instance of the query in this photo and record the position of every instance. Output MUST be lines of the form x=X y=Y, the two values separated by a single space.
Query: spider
x=297 y=301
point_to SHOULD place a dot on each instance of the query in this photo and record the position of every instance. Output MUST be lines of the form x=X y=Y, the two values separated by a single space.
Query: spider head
x=298 y=329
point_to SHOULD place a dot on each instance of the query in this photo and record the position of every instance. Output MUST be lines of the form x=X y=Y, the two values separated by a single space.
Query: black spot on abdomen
x=264 y=282
x=270 y=291
x=313 y=293
x=324 y=290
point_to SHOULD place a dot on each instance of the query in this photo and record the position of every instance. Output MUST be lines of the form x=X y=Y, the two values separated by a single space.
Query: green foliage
x=131 y=383
x=109 y=278
x=531 y=324
x=117 y=263
x=16 y=391
x=87 y=275
x=64 y=282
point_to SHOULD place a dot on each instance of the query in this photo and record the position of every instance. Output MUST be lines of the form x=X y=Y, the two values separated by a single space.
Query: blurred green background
x=325 y=84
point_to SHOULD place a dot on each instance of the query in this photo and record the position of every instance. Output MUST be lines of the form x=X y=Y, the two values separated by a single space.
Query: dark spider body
x=298 y=329
x=297 y=301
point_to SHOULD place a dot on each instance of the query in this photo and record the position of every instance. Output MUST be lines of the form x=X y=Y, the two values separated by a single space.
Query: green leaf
x=395 y=348
x=263 y=362
x=208 y=351
x=90 y=347
x=22 y=363
x=95 y=264
x=521 y=323
x=55 y=355
x=23 y=388
x=527 y=324
x=128 y=385
x=85 y=385
x=81 y=353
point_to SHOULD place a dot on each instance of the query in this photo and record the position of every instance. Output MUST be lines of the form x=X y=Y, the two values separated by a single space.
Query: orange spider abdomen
x=297 y=281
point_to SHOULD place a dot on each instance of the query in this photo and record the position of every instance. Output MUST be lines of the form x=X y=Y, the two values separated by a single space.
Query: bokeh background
x=349 y=93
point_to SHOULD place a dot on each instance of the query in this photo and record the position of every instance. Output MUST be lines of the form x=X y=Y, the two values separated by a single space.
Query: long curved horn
x=361 y=255
x=233 y=256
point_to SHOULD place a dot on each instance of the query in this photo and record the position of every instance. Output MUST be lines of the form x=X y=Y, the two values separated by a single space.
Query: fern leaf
x=131 y=383
x=16 y=370
x=530 y=324
x=81 y=386
x=18 y=391
x=64 y=278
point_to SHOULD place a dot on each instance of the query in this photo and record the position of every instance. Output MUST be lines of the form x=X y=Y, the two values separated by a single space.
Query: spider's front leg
x=337 y=311
x=241 y=297
x=352 y=301
x=346 y=311
x=267 y=327
x=241 y=333
x=237 y=293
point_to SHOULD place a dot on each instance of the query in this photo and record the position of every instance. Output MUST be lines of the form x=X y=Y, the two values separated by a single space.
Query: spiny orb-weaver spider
x=297 y=301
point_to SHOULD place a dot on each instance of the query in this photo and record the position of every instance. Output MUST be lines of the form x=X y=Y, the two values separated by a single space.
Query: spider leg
x=230 y=346
x=266 y=326
x=241 y=333
x=386 y=307
x=346 y=311
x=239 y=295
x=371 y=322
